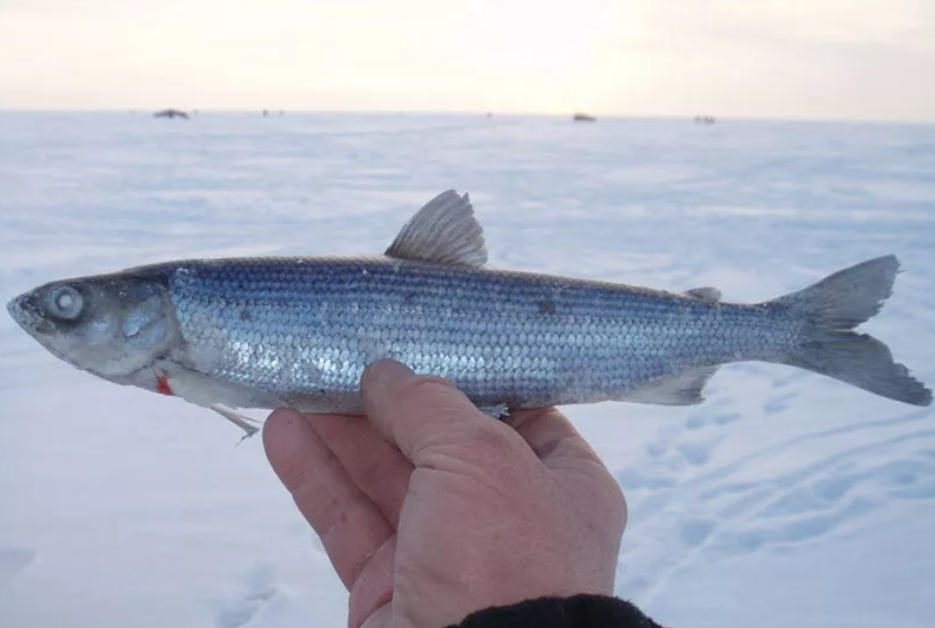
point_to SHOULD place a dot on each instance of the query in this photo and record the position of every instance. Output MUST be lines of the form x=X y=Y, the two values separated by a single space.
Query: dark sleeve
x=579 y=611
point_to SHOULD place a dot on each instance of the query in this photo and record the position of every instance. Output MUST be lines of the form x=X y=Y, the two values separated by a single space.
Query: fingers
x=561 y=448
x=374 y=588
x=550 y=434
x=428 y=416
x=349 y=524
x=372 y=463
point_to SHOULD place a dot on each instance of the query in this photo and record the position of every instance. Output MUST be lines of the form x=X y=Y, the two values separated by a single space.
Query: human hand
x=431 y=510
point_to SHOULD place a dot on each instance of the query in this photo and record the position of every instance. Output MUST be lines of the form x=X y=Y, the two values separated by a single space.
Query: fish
x=241 y=333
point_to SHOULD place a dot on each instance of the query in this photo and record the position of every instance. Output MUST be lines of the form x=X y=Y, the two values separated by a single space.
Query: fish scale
x=295 y=327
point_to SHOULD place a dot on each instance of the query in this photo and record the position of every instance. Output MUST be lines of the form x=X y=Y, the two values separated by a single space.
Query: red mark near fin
x=162 y=384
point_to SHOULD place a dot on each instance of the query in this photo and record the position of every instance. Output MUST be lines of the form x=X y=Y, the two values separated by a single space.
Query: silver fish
x=299 y=331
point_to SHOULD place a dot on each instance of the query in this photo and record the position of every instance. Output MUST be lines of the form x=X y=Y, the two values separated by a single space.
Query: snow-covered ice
x=786 y=499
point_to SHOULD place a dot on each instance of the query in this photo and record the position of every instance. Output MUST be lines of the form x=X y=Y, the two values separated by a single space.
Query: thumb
x=424 y=416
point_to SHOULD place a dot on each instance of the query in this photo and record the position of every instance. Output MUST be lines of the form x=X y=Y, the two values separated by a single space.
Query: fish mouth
x=15 y=308
x=22 y=310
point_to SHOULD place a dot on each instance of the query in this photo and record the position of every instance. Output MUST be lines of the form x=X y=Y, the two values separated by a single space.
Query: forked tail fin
x=836 y=305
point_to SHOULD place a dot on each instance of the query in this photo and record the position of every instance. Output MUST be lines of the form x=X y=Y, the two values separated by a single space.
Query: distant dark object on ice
x=704 y=120
x=583 y=117
x=170 y=113
x=265 y=112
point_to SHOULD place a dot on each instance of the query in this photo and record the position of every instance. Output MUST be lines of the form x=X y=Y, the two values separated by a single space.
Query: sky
x=819 y=59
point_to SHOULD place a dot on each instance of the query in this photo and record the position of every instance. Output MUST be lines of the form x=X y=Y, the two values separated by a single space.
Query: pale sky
x=841 y=59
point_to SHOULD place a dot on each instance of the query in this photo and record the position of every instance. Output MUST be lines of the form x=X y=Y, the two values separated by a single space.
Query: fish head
x=110 y=325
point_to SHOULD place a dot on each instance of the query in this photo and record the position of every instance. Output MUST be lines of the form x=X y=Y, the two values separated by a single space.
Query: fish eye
x=65 y=302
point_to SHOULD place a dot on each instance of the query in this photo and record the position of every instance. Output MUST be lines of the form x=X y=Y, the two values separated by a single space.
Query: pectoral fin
x=248 y=425
x=206 y=391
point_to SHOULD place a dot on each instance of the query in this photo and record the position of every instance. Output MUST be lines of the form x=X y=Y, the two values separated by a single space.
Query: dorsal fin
x=443 y=231
x=709 y=294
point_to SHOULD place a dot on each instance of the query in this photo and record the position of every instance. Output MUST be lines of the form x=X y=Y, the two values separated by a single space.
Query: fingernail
x=385 y=372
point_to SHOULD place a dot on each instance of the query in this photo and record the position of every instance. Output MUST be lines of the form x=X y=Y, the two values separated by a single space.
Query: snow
x=786 y=499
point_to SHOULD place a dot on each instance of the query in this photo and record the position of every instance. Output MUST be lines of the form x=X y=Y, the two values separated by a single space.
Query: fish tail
x=838 y=304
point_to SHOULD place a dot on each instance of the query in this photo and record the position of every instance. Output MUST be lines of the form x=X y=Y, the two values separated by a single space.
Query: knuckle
x=425 y=387
x=484 y=449
x=427 y=395
x=467 y=434
x=621 y=508
x=617 y=510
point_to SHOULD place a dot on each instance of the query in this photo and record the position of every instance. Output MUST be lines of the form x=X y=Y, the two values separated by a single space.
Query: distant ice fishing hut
x=170 y=113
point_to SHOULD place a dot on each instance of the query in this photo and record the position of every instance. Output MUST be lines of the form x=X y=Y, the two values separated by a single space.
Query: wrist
x=577 y=611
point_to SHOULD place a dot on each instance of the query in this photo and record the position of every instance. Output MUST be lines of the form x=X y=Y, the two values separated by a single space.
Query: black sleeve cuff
x=579 y=611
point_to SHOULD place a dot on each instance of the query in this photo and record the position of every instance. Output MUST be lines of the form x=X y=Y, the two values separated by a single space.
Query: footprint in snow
x=698 y=452
x=632 y=479
x=804 y=507
x=726 y=418
x=818 y=496
x=792 y=530
x=257 y=591
x=13 y=562
x=778 y=403
x=748 y=500
x=695 y=422
x=790 y=379
x=909 y=479
x=695 y=531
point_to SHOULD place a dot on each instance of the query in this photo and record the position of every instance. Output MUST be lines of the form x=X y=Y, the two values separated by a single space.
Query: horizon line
x=483 y=113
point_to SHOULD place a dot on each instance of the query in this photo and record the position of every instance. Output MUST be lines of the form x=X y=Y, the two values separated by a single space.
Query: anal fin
x=681 y=389
x=498 y=411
